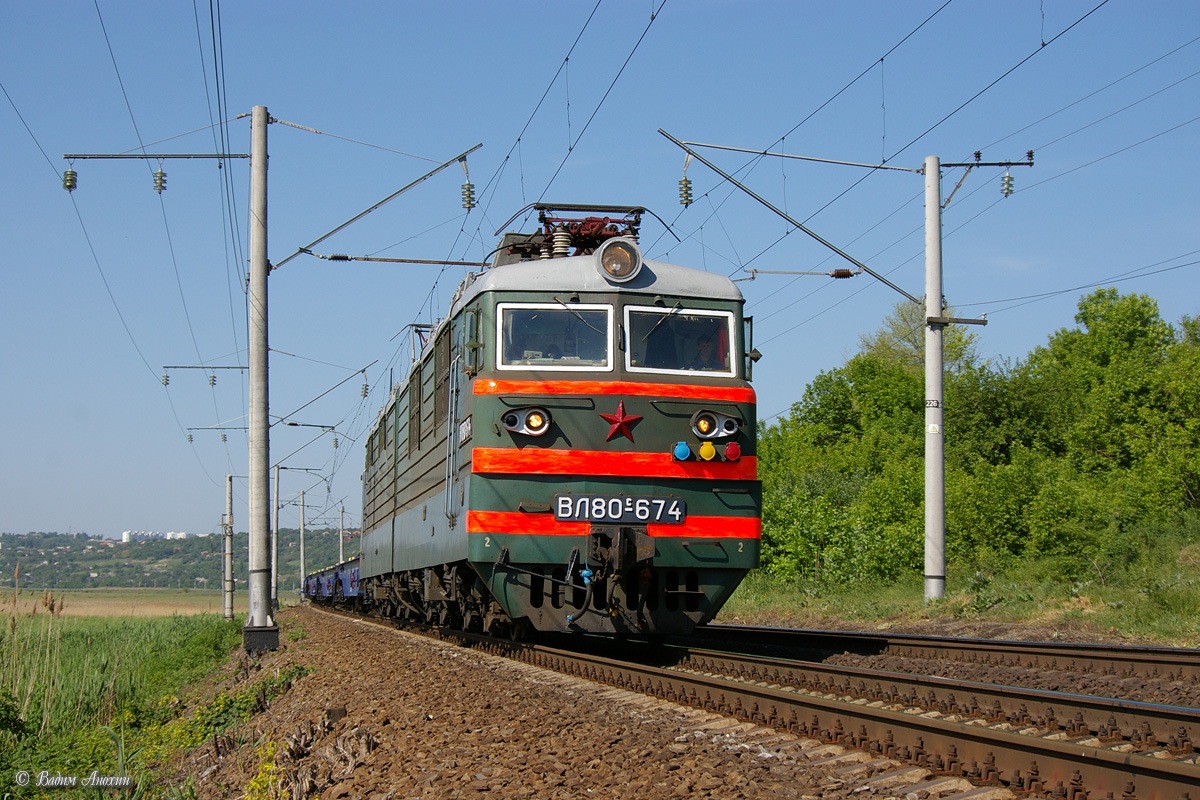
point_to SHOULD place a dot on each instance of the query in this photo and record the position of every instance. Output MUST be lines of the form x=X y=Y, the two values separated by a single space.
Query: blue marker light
x=681 y=451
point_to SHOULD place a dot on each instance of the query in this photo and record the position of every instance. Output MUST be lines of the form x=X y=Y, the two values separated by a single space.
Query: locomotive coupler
x=612 y=550
x=619 y=546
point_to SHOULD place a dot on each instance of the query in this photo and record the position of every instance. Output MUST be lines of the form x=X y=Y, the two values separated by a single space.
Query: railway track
x=1038 y=743
x=1125 y=661
x=1030 y=742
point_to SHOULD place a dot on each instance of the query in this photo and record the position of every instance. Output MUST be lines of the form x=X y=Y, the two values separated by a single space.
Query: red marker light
x=732 y=451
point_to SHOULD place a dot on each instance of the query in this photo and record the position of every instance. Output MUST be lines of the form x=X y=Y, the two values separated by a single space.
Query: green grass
x=1153 y=599
x=83 y=694
x=66 y=672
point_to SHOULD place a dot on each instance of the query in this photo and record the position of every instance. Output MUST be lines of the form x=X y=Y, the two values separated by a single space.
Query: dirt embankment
x=383 y=714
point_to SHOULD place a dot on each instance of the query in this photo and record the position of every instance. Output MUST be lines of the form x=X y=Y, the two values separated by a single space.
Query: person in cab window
x=705 y=355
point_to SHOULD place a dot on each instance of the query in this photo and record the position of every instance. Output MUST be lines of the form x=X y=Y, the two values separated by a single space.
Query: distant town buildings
x=146 y=536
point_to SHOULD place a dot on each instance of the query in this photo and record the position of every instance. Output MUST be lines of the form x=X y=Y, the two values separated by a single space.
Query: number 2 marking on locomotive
x=487 y=541
x=741 y=547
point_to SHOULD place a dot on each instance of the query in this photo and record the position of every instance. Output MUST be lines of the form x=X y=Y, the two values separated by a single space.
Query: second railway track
x=1030 y=742
x=1118 y=660
x=1038 y=744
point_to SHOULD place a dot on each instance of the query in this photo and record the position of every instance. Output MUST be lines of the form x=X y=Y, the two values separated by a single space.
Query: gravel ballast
x=388 y=714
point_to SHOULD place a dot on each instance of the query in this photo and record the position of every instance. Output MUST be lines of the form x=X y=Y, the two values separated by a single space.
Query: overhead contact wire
x=607 y=92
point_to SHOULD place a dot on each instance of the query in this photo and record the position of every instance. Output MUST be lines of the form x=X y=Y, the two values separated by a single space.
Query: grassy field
x=89 y=679
x=126 y=602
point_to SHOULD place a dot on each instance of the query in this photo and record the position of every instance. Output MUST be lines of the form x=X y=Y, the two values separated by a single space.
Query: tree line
x=63 y=561
x=1084 y=452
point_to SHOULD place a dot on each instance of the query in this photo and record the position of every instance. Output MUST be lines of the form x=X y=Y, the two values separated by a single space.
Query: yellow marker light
x=707 y=451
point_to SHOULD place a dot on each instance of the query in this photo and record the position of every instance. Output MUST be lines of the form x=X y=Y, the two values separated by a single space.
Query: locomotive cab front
x=611 y=438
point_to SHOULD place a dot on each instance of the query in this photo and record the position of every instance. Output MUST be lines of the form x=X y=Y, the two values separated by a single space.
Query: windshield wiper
x=662 y=319
x=580 y=317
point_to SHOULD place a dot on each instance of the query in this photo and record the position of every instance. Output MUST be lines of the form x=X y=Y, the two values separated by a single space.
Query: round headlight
x=528 y=421
x=619 y=260
x=712 y=425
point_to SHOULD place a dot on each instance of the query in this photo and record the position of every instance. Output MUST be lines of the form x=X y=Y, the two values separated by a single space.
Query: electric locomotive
x=574 y=447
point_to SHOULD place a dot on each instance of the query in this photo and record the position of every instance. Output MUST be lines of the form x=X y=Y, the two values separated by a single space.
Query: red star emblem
x=620 y=423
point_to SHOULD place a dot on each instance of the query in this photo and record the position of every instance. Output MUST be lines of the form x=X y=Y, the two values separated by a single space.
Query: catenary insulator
x=70 y=180
x=166 y=379
x=189 y=438
x=335 y=443
x=212 y=379
x=160 y=181
x=685 y=191
x=366 y=390
x=468 y=195
x=842 y=273
x=1006 y=185
x=224 y=438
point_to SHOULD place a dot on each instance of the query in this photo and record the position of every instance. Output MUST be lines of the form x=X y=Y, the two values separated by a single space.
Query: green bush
x=1072 y=453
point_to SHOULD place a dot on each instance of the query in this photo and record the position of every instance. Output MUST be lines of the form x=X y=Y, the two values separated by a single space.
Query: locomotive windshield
x=554 y=336
x=680 y=340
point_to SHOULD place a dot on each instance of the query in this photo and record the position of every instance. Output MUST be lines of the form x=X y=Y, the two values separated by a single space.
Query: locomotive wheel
x=495 y=621
x=441 y=614
x=520 y=630
x=472 y=610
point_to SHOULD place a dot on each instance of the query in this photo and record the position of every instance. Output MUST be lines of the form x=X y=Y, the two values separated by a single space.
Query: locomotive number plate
x=622 y=510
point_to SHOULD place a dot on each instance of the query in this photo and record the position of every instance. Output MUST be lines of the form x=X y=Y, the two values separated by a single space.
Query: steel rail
x=1182 y=664
x=985 y=754
x=1145 y=726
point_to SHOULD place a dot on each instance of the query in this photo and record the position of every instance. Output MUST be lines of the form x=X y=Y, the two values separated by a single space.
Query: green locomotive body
x=574 y=450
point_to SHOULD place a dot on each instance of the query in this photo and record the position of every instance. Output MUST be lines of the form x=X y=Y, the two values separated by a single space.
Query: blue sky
x=106 y=286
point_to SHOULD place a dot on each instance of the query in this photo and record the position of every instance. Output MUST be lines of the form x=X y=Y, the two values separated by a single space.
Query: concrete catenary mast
x=260 y=631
